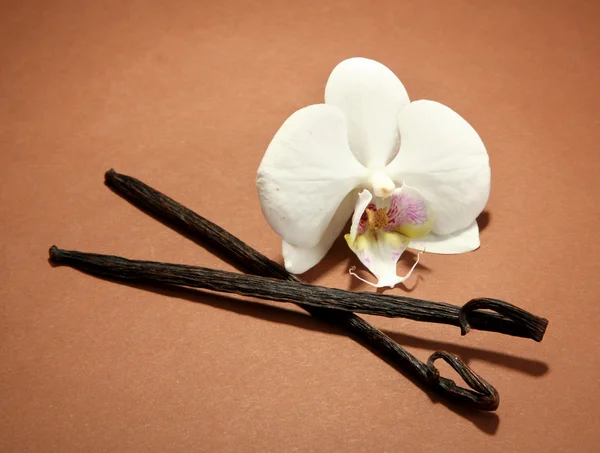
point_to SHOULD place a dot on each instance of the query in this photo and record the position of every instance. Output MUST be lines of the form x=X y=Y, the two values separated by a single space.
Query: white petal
x=371 y=97
x=305 y=174
x=298 y=260
x=461 y=241
x=364 y=198
x=379 y=252
x=442 y=156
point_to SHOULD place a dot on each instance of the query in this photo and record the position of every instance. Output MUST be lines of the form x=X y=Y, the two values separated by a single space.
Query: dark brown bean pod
x=482 y=396
x=282 y=291
x=515 y=322
x=240 y=254
x=148 y=272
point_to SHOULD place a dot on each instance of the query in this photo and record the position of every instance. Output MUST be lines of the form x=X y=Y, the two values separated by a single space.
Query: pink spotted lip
x=406 y=210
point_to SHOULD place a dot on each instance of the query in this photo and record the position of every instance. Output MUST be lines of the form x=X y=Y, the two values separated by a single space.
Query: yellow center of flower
x=377 y=219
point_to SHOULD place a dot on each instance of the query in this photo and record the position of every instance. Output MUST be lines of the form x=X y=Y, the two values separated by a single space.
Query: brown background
x=186 y=95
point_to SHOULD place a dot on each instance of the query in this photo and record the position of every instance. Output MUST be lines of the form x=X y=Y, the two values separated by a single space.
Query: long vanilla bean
x=483 y=396
x=283 y=291
x=512 y=321
x=325 y=302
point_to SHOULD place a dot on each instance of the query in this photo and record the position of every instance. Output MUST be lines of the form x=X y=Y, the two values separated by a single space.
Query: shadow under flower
x=483 y=220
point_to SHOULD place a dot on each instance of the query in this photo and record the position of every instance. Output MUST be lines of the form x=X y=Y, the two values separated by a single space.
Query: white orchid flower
x=415 y=173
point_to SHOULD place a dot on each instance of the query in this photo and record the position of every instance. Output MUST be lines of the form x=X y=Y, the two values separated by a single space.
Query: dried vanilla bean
x=283 y=291
x=483 y=396
x=146 y=272
x=515 y=322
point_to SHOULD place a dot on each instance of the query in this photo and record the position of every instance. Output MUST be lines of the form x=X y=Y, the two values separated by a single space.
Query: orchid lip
x=389 y=280
x=383 y=228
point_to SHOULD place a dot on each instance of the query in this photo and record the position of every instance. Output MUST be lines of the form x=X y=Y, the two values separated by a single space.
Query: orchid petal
x=371 y=97
x=298 y=260
x=461 y=241
x=364 y=198
x=380 y=251
x=409 y=213
x=307 y=170
x=443 y=157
